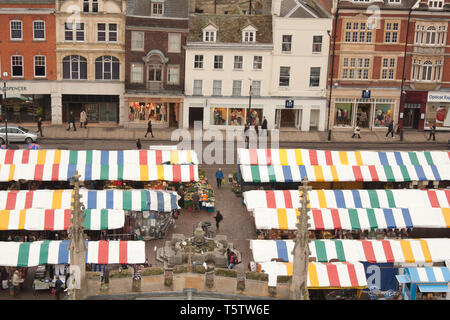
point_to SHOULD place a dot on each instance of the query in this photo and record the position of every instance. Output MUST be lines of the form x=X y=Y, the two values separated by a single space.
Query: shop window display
x=383 y=115
x=219 y=116
x=236 y=117
x=343 y=114
x=144 y=111
x=438 y=114
x=255 y=117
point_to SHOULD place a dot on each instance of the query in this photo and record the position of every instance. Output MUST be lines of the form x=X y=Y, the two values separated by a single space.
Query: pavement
x=114 y=132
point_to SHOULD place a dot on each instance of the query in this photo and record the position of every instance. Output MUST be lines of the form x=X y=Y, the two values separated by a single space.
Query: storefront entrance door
x=195 y=114
x=363 y=115
x=107 y=112
x=288 y=117
x=411 y=117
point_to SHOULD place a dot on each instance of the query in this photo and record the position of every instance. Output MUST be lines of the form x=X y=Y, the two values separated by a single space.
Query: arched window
x=107 y=68
x=75 y=68
x=426 y=70
x=431 y=35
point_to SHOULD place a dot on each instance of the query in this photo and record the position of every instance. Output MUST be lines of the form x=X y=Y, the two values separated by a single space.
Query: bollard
x=401 y=135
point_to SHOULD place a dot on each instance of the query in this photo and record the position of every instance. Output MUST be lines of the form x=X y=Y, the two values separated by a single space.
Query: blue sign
x=289 y=103
x=381 y=275
x=366 y=94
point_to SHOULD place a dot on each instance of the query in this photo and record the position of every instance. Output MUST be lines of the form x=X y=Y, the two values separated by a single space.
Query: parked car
x=17 y=134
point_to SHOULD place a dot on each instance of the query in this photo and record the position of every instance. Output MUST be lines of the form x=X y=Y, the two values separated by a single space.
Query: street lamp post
x=249 y=102
x=5 y=74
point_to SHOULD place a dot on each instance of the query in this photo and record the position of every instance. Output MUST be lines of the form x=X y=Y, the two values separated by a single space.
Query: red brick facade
x=27 y=47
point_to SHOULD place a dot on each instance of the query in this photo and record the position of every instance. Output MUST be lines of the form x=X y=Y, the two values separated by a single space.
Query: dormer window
x=395 y=1
x=435 y=4
x=249 y=34
x=210 y=34
x=157 y=7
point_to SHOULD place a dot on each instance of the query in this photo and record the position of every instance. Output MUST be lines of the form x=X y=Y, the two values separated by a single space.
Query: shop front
x=99 y=108
x=438 y=110
x=367 y=113
x=163 y=112
x=25 y=103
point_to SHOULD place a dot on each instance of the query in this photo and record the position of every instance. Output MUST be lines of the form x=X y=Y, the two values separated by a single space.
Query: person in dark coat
x=138 y=144
x=58 y=287
x=246 y=127
x=181 y=194
x=264 y=126
x=72 y=121
x=39 y=125
x=391 y=129
x=432 y=132
x=196 y=201
x=149 y=129
x=218 y=217
x=256 y=129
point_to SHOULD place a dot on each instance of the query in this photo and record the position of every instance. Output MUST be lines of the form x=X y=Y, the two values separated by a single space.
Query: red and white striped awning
x=115 y=199
x=385 y=198
x=415 y=251
x=30 y=254
x=59 y=219
x=333 y=275
x=104 y=157
x=312 y=157
x=354 y=219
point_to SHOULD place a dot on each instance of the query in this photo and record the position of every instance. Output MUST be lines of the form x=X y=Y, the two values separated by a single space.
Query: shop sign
x=437 y=96
x=366 y=94
x=15 y=89
x=289 y=103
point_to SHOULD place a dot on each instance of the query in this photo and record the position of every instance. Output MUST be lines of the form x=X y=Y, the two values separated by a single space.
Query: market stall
x=30 y=254
x=425 y=283
x=205 y=192
x=385 y=198
x=353 y=219
x=333 y=275
x=400 y=252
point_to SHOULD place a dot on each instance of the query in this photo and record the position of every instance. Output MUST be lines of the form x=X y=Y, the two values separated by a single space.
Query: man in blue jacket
x=219 y=177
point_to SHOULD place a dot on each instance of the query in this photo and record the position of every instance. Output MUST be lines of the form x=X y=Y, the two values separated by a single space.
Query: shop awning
x=30 y=254
x=373 y=251
x=103 y=157
x=117 y=199
x=385 y=198
x=343 y=173
x=59 y=219
x=321 y=275
x=354 y=219
x=433 y=288
x=98 y=171
x=429 y=275
x=313 y=157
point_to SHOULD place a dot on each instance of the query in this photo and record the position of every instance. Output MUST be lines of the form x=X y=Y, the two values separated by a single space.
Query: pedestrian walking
x=391 y=129
x=39 y=125
x=83 y=119
x=16 y=281
x=72 y=122
x=138 y=144
x=246 y=127
x=58 y=287
x=356 y=132
x=219 y=177
x=233 y=260
x=196 y=201
x=264 y=126
x=149 y=129
x=218 y=217
x=432 y=132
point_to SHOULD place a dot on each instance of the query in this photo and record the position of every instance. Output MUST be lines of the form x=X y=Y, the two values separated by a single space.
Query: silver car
x=17 y=134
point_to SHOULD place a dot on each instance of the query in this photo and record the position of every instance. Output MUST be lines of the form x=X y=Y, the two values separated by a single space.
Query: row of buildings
x=309 y=65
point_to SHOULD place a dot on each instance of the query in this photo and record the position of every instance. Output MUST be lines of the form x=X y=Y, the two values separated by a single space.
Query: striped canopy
x=103 y=157
x=373 y=251
x=333 y=275
x=312 y=157
x=117 y=199
x=344 y=173
x=99 y=171
x=385 y=198
x=354 y=219
x=428 y=275
x=30 y=254
x=59 y=219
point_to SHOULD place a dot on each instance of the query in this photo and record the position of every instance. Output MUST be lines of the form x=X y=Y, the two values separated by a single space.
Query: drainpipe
x=402 y=103
x=332 y=68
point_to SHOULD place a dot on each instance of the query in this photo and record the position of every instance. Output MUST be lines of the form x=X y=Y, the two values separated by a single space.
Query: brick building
x=369 y=63
x=156 y=33
x=27 y=54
